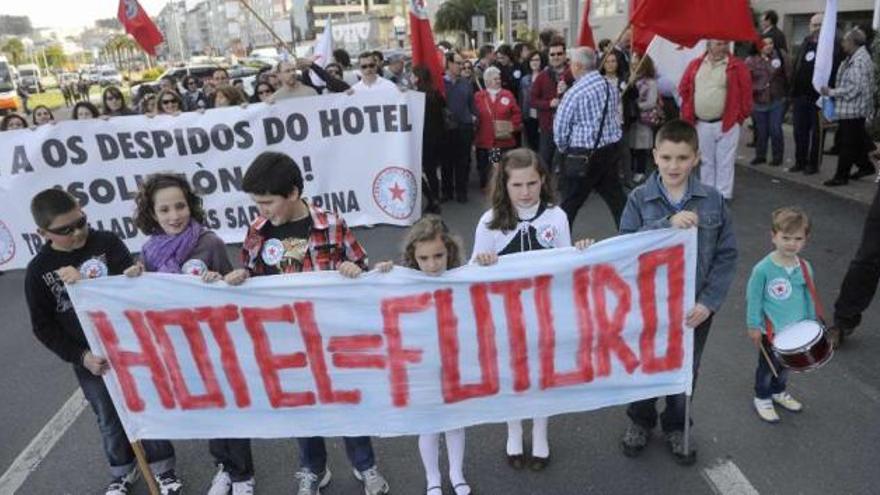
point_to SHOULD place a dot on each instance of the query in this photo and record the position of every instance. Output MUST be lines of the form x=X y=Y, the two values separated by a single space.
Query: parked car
x=30 y=77
x=8 y=96
x=110 y=77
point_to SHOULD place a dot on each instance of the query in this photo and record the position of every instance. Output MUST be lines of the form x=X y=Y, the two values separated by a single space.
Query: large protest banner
x=360 y=156
x=537 y=334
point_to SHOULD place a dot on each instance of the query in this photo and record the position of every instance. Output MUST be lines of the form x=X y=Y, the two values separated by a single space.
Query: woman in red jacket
x=498 y=121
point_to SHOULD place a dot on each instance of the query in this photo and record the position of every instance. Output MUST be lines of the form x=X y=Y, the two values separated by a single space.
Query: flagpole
x=265 y=25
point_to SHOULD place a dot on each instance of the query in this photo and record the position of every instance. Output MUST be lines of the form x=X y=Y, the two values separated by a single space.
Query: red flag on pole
x=688 y=21
x=424 y=51
x=138 y=24
x=585 y=37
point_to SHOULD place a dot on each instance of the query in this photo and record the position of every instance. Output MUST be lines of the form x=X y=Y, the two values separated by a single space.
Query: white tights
x=429 y=449
x=540 y=444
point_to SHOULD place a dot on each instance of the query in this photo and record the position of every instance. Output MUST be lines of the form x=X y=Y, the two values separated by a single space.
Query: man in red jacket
x=716 y=93
x=547 y=90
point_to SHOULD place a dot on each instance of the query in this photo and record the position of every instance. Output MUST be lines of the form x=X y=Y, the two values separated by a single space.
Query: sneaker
x=169 y=483
x=675 y=442
x=311 y=483
x=758 y=161
x=374 y=482
x=765 y=410
x=122 y=485
x=245 y=487
x=787 y=402
x=635 y=438
x=221 y=484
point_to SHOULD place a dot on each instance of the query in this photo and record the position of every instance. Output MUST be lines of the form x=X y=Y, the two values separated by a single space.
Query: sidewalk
x=861 y=190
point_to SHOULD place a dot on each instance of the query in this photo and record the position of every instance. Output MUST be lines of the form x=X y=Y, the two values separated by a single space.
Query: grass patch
x=53 y=98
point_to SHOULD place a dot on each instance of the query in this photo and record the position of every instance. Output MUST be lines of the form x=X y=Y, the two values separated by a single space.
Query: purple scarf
x=166 y=253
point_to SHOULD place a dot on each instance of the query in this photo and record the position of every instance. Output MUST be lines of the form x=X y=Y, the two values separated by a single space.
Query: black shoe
x=796 y=168
x=516 y=461
x=833 y=151
x=861 y=173
x=461 y=198
x=811 y=171
x=776 y=162
x=836 y=182
x=539 y=463
x=433 y=208
x=757 y=161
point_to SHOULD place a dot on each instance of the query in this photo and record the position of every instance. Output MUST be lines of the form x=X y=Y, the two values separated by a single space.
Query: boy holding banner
x=72 y=252
x=292 y=236
x=674 y=197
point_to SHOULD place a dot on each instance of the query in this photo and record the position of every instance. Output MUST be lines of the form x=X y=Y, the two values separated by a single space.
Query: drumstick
x=769 y=362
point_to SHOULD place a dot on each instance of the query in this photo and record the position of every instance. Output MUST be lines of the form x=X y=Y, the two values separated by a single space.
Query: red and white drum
x=802 y=346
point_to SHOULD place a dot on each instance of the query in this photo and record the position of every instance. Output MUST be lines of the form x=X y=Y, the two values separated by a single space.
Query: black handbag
x=577 y=166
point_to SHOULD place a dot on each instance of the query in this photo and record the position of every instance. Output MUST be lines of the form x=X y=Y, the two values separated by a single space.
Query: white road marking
x=726 y=479
x=29 y=458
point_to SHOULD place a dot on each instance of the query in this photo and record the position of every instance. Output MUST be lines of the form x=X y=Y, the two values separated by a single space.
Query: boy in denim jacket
x=673 y=197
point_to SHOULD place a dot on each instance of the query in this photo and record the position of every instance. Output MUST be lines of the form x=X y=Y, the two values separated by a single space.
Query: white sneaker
x=766 y=411
x=122 y=485
x=787 y=402
x=374 y=482
x=221 y=484
x=245 y=487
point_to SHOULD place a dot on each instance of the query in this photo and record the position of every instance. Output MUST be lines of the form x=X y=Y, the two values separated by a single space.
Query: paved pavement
x=831 y=447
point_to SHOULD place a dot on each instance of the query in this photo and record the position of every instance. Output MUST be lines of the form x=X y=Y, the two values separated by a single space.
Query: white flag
x=323 y=51
x=825 y=49
x=876 y=23
x=671 y=59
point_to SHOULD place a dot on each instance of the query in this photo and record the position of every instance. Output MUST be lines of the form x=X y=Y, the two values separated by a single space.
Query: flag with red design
x=585 y=37
x=424 y=50
x=139 y=25
x=686 y=22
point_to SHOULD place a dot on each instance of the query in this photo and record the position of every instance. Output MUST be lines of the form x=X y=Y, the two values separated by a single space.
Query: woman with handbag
x=641 y=136
x=498 y=119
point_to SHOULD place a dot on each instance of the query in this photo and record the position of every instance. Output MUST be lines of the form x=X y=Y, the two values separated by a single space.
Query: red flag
x=688 y=21
x=585 y=37
x=138 y=24
x=641 y=37
x=424 y=51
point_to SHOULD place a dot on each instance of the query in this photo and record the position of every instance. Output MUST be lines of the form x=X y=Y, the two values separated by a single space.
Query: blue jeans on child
x=765 y=383
x=768 y=125
x=117 y=448
x=313 y=453
x=644 y=412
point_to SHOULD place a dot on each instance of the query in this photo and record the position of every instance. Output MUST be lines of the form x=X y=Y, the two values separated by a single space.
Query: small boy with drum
x=779 y=298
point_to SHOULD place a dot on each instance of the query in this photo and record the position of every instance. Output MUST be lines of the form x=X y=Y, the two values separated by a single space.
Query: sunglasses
x=70 y=228
x=557 y=54
x=368 y=66
x=169 y=102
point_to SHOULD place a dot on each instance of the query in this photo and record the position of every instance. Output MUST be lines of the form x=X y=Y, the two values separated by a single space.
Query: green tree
x=455 y=15
x=55 y=56
x=14 y=49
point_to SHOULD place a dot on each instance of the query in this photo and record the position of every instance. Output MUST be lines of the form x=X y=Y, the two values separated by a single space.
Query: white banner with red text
x=360 y=155
x=536 y=334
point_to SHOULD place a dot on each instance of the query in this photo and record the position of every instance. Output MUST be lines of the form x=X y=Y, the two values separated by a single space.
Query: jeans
x=547 y=149
x=313 y=453
x=860 y=282
x=768 y=126
x=853 y=148
x=235 y=456
x=117 y=448
x=765 y=383
x=644 y=412
x=457 y=165
x=805 y=116
x=603 y=177
x=531 y=137
x=484 y=165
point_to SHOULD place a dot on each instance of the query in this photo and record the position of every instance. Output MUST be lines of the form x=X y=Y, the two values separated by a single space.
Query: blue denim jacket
x=648 y=208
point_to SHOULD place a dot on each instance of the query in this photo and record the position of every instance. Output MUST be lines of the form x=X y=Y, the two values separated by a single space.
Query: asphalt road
x=831 y=447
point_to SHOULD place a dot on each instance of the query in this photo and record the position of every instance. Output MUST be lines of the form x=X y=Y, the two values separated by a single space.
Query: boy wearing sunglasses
x=72 y=252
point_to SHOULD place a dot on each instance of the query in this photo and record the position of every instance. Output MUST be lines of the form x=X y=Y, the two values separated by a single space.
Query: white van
x=30 y=77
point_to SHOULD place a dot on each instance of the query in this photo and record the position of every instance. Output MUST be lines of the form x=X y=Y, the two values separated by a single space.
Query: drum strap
x=817 y=303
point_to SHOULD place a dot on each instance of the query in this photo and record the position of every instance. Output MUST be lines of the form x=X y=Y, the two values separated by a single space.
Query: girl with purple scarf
x=172 y=215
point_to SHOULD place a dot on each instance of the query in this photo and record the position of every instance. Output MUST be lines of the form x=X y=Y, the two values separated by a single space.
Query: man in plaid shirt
x=853 y=104
x=587 y=141
x=292 y=236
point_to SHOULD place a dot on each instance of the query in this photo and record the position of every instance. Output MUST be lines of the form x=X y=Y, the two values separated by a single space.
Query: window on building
x=552 y=10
